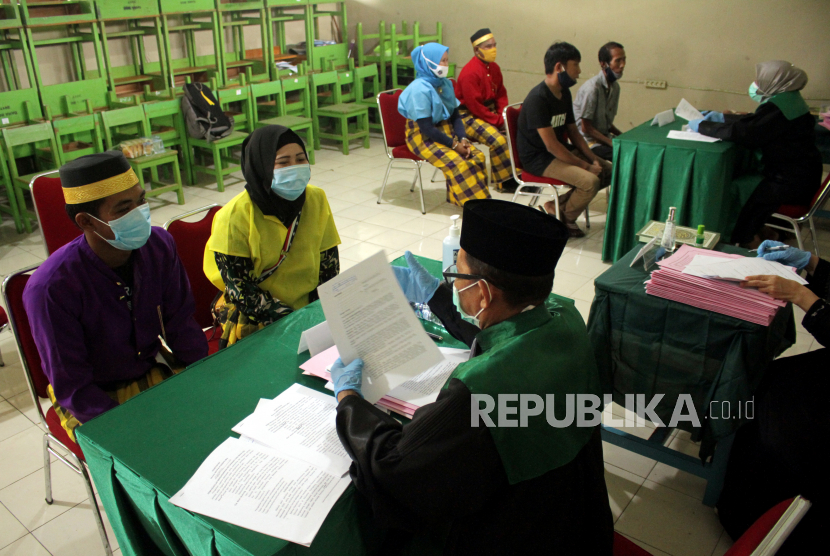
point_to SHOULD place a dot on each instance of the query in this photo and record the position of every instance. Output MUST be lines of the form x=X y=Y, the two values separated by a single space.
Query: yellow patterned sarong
x=123 y=392
x=466 y=179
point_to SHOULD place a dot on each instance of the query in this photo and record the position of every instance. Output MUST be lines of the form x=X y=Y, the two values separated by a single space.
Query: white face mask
x=437 y=69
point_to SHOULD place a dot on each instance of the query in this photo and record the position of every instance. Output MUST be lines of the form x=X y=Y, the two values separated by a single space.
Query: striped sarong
x=466 y=179
x=479 y=131
x=119 y=393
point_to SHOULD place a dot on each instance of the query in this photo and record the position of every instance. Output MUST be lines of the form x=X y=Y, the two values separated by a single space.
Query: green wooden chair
x=340 y=113
x=75 y=137
x=165 y=120
x=11 y=197
x=268 y=107
x=368 y=75
x=115 y=122
x=33 y=137
x=220 y=151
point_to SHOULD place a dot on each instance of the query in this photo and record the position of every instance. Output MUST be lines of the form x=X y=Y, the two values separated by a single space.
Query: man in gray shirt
x=596 y=102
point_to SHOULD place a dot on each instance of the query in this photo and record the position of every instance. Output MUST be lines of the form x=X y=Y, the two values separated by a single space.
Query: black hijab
x=259 y=151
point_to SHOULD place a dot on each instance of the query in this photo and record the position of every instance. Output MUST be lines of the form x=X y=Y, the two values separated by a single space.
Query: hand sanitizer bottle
x=452 y=243
x=669 y=232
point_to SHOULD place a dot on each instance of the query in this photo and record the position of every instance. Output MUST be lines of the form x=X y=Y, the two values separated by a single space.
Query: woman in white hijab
x=784 y=131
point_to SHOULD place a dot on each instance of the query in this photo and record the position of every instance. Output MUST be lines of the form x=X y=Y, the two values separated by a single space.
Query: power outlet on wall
x=655 y=84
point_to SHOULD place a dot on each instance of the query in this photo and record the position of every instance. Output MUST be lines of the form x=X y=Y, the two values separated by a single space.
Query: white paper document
x=663 y=118
x=424 y=388
x=300 y=422
x=370 y=318
x=691 y=136
x=316 y=339
x=263 y=490
x=739 y=269
x=687 y=111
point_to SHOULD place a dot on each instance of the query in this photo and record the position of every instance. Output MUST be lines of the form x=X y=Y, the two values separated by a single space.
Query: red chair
x=191 y=238
x=55 y=436
x=55 y=225
x=394 y=138
x=764 y=538
x=535 y=184
x=4 y=324
x=796 y=215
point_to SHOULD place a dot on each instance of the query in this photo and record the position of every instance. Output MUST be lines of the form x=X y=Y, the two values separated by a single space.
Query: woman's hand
x=783 y=289
x=463 y=148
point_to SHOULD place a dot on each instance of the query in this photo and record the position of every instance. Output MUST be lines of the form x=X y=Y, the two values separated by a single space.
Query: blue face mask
x=131 y=230
x=754 y=94
x=456 y=299
x=290 y=182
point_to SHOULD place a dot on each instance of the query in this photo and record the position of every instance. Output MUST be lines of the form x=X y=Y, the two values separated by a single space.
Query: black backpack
x=203 y=116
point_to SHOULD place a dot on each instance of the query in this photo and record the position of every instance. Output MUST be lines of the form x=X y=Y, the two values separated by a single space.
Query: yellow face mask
x=488 y=56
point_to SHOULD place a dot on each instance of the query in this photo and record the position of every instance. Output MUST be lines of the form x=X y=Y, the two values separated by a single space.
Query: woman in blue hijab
x=435 y=130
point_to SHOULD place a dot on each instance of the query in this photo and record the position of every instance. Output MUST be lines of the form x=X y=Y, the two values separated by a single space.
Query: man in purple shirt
x=99 y=304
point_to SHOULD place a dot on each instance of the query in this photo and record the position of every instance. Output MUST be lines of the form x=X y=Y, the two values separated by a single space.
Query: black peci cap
x=96 y=176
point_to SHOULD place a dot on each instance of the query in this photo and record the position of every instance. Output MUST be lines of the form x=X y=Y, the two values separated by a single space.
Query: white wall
x=705 y=49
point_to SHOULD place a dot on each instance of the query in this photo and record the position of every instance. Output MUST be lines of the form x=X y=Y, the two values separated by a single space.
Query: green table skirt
x=707 y=182
x=645 y=344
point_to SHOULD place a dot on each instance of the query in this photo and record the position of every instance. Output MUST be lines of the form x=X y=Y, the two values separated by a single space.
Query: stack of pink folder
x=718 y=296
x=319 y=364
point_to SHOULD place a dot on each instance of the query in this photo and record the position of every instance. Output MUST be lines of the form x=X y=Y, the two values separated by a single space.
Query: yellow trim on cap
x=100 y=189
x=483 y=39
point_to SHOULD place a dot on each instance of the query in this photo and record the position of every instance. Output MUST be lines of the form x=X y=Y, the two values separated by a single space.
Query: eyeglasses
x=451 y=273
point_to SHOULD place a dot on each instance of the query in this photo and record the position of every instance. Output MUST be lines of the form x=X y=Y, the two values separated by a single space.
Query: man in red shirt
x=482 y=95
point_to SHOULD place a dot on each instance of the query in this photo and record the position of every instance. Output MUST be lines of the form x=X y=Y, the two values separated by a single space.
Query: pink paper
x=318 y=365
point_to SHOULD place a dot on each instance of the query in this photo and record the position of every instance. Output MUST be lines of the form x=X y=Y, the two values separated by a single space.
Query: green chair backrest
x=89 y=130
x=325 y=79
x=168 y=111
x=121 y=117
x=27 y=135
x=271 y=88
x=243 y=121
x=296 y=83
x=363 y=73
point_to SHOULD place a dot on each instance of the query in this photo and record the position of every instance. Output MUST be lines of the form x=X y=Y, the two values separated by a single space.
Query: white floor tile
x=389 y=219
x=25 y=498
x=627 y=460
x=586 y=292
x=355 y=212
x=653 y=551
x=12 y=378
x=10 y=528
x=678 y=480
x=622 y=485
x=361 y=251
x=393 y=240
x=26 y=546
x=589 y=267
x=362 y=231
x=355 y=196
x=566 y=282
x=670 y=521
x=74 y=533
x=427 y=247
x=724 y=544
x=23 y=402
x=12 y=421
x=18 y=260
x=21 y=455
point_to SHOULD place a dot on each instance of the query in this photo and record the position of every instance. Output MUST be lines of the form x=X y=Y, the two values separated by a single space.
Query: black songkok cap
x=481 y=33
x=512 y=237
x=96 y=176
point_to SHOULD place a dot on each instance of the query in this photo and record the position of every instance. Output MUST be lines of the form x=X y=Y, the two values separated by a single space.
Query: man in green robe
x=478 y=482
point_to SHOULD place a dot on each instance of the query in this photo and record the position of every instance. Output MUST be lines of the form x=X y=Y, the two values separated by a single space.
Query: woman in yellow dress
x=274 y=243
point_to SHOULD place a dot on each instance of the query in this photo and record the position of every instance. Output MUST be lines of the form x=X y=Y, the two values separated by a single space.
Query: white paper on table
x=691 y=136
x=301 y=422
x=316 y=339
x=424 y=388
x=739 y=269
x=663 y=118
x=686 y=111
x=262 y=490
x=370 y=318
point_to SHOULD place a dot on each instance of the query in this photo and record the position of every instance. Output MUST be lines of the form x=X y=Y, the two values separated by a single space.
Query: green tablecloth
x=645 y=344
x=707 y=182
x=142 y=452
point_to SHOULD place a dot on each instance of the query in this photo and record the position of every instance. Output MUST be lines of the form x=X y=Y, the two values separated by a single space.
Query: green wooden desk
x=142 y=452
x=707 y=182
x=648 y=345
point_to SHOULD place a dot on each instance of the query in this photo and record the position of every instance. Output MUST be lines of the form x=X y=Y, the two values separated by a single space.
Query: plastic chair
x=338 y=111
x=529 y=184
x=33 y=137
x=56 y=227
x=55 y=436
x=273 y=112
x=165 y=119
x=191 y=238
x=796 y=215
x=393 y=125
x=134 y=118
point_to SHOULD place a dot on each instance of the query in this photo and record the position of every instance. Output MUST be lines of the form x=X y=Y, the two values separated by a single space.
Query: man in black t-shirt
x=546 y=124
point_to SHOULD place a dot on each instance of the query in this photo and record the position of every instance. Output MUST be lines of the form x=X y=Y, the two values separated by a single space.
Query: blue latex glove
x=789 y=257
x=347 y=377
x=695 y=124
x=417 y=283
x=716 y=117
